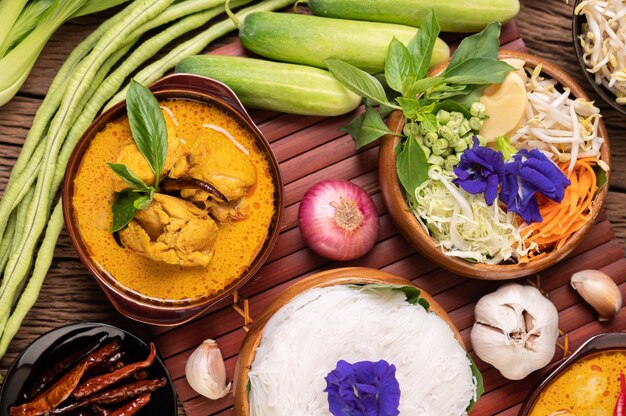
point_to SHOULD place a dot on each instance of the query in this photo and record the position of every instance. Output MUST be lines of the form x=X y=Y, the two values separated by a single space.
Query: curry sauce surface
x=589 y=387
x=238 y=242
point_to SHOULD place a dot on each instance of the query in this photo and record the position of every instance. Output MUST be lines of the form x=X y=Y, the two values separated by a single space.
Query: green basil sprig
x=473 y=66
x=149 y=132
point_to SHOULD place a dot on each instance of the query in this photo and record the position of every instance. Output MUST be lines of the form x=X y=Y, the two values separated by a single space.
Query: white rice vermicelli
x=304 y=340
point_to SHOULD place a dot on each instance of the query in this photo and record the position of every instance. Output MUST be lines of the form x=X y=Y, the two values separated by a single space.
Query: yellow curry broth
x=237 y=244
x=589 y=387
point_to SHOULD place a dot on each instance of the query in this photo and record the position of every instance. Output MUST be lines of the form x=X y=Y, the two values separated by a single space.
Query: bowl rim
x=128 y=302
x=332 y=277
x=83 y=327
x=598 y=343
x=606 y=95
x=414 y=232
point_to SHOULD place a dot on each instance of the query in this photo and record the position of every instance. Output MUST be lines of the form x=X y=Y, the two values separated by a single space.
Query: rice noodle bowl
x=306 y=338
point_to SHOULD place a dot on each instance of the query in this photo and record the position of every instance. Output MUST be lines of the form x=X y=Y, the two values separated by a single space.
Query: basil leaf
x=480 y=385
x=478 y=71
x=422 y=44
x=397 y=64
x=367 y=127
x=358 y=81
x=147 y=125
x=373 y=128
x=129 y=177
x=384 y=111
x=429 y=122
x=413 y=294
x=143 y=201
x=124 y=208
x=467 y=100
x=446 y=91
x=450 y=106
x=413 y=85
x=600 y=176
x=411 y=107
x=412 y=167
x=354 y=127
x=481 y=45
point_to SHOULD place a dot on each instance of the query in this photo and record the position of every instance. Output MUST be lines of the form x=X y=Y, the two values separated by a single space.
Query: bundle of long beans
x=81 y=88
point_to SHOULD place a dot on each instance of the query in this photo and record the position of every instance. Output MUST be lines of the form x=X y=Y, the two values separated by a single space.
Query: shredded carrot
x=562 y=219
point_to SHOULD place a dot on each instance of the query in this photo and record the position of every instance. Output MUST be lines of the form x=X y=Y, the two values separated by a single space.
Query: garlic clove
x=599 y=291
x=205 y=371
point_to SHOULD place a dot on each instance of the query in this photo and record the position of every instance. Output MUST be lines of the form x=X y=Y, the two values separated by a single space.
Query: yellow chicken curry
x=589 y=387
x=192 y=241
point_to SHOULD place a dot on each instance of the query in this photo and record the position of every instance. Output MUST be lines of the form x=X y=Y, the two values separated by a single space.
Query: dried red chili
x=115 y=395
x=101 y=355
x=620 y=406
x=97 y=383
x=53 y=371
x=132 y=407
x=99 y=411
x=54 y=396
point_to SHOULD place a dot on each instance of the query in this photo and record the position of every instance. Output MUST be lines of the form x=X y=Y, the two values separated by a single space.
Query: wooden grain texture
x=69 y=294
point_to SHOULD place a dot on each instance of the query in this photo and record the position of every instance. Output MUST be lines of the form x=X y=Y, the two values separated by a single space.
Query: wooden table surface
x=69 y=294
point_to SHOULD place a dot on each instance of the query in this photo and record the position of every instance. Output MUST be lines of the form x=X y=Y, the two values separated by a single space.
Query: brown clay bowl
x=129 y=303
x=424 y=243
x=596 y=344
x=343 y=276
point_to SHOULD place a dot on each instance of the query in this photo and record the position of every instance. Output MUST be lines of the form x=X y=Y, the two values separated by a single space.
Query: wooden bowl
x=130 y=303
x=419 y=238
x=343 y=276
x=596 y=344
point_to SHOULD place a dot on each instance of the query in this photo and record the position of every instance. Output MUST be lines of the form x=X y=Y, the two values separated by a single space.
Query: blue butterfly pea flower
x=363 y=389
x=480 y=170
x=529 y=173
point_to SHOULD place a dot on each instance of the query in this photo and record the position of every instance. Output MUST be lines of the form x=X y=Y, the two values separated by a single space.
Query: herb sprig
x=472 y=67
x=149 y=132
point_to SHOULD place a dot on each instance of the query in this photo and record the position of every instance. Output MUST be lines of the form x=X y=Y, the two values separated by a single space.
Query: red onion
x=338 y=220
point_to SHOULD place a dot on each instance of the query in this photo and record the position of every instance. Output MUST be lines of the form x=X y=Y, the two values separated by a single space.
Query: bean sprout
x=604 y=43
x=564 y=129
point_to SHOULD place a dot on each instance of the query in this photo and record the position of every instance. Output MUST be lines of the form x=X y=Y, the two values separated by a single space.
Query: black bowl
x=577 y=28
x=598 y=343
x=60 y=342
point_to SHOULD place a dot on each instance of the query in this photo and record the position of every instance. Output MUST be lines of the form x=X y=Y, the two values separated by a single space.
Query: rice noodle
x=303 y=341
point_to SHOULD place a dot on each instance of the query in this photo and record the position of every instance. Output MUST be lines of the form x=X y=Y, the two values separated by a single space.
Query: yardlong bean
x=195 y=45
x=38 y=211
x=77 y=93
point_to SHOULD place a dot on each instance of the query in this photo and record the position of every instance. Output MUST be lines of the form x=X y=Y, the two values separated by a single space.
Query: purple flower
x=363 y=389
x=480 y=170
x=529 y=173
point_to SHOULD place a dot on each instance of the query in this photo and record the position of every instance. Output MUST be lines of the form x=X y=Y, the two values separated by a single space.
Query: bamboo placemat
x=310 y=149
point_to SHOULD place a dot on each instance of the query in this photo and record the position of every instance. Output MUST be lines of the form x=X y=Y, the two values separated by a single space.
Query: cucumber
x=288 y=88
x=453 y=15
x=310 y=40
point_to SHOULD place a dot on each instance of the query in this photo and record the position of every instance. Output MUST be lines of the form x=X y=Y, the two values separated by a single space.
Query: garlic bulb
x=599 y=291
x=515 y=330
x=205 y=371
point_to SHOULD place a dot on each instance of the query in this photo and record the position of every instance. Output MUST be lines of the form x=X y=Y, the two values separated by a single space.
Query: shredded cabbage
x=464 y=224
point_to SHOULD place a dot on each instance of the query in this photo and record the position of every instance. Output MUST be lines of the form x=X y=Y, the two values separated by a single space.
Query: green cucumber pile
x=357 y=32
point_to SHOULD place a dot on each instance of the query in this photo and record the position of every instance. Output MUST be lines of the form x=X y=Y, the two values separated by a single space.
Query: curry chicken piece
x=133 y=159
x=218 y=159
x=172 y=230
